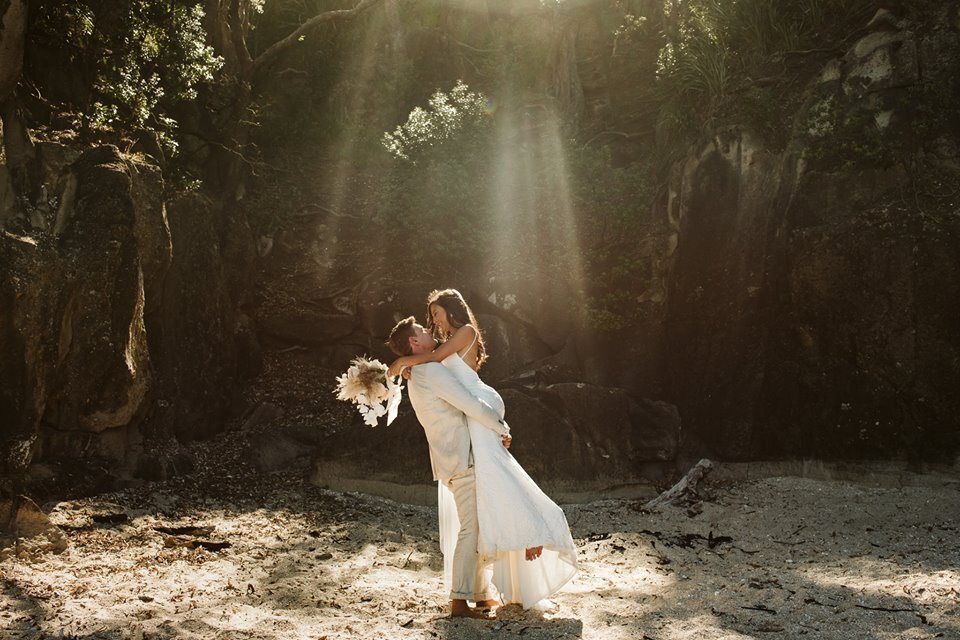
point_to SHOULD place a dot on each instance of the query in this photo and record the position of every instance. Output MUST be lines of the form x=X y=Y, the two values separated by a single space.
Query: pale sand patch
x=791 y=558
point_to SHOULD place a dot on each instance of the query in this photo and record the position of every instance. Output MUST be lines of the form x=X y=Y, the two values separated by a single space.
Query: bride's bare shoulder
x=466 y=330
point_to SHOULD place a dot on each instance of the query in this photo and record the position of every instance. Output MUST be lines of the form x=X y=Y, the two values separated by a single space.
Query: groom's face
x=422 y=341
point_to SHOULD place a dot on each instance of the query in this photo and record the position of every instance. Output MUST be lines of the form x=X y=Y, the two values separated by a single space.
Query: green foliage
x=843 y=139
x=446 y=116
x=614 y=207
x=890 y=127
x=730 y=61
x=138 y=57
x=473 y=193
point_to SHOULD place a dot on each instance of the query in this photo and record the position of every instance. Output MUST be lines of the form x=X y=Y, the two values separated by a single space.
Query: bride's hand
x=506 y=440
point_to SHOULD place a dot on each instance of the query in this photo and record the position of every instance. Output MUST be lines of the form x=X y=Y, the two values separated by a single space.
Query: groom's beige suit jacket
x=442 y=405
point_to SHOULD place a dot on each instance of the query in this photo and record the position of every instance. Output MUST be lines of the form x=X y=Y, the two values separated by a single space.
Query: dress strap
x=467 y=350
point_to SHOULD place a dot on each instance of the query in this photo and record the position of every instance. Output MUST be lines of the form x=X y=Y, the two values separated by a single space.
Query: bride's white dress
x=512 y=512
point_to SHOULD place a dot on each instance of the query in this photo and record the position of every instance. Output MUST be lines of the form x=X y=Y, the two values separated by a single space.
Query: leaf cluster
x=133 y=60
x=735 y=61
x=448 y=115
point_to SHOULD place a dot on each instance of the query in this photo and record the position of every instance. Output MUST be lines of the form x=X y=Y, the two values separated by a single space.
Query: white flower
x=367 y=385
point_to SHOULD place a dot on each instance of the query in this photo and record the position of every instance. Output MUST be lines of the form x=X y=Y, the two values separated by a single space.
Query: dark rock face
x=193 y=339
x=102 y=373
x=568 y=437
x=800 y=302
x=572 y=435
x=811 y=304
x=716 y=315
x=117 y=327
x=78 y=360
x=872 y=345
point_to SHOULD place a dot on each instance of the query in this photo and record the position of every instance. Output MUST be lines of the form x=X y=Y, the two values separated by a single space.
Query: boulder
x=163 y=463
x=72 y=336
x=278 y=450
x=578 y=436
x=26 y=531
x=616 y=423
x=575 y=440
x=540 y=304
x=881 y=60
x=392 y=461
x=382 y=302
x=511 y=347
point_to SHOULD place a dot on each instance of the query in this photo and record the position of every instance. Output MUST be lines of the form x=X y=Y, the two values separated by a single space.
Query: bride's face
x=439 y=316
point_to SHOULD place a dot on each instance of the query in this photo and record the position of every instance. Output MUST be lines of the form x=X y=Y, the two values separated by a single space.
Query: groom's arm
x=451 y=390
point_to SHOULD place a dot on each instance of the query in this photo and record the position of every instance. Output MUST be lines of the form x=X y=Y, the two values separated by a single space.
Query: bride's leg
x=534 y=552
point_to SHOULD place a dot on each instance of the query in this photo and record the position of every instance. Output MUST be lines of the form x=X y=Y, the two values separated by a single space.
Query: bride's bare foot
x=487 y=604
x=534 y=552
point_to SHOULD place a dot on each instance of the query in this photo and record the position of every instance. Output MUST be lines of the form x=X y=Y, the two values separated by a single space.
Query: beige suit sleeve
x=449 y=389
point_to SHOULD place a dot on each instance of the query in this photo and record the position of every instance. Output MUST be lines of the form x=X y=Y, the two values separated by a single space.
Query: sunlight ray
x=563 y=230
x=507 y=193
x=532 y=203
x=338 y=177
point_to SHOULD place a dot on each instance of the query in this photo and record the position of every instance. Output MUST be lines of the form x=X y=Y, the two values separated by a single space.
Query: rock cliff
x=119 y=329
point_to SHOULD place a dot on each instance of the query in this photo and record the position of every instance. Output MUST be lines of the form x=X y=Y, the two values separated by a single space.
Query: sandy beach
x=241 y=555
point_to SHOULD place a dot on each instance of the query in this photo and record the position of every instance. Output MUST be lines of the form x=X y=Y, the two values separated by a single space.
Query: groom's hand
x=506 y=440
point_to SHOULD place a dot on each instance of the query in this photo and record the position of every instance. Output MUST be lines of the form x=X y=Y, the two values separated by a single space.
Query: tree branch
x=238 y=35
x=269 y=56
x=625 y=136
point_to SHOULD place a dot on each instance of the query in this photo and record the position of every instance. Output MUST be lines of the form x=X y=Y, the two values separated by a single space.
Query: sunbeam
x=339 y=175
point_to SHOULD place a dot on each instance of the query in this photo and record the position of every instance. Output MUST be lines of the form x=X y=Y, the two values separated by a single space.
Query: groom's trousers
x=470 y=580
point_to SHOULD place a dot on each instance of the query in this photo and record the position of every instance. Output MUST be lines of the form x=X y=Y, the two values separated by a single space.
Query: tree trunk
x=563 y=77
x=20 y=154
x=228 y=131
x=266 y=59
x=13 y=28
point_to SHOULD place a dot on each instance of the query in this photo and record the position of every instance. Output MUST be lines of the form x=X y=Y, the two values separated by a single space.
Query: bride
x=524 y=535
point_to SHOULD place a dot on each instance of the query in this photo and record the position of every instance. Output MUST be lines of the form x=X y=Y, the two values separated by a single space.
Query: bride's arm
x=460 y=339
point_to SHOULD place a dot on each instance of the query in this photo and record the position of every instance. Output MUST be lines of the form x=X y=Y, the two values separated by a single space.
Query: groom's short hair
x=399 y=340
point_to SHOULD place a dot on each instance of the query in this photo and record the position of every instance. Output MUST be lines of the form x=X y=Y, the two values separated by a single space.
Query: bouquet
x=367 y=385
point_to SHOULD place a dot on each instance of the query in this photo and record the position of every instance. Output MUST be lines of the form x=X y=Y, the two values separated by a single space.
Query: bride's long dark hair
x=458 y=314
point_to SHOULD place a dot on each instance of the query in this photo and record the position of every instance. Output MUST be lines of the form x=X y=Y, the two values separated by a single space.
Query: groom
x=442 y=405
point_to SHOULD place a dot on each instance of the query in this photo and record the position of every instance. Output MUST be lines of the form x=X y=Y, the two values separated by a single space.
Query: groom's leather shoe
x=478 y=614
x=487 y=605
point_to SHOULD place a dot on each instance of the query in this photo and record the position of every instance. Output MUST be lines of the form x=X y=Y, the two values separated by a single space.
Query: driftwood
x=687 y=485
